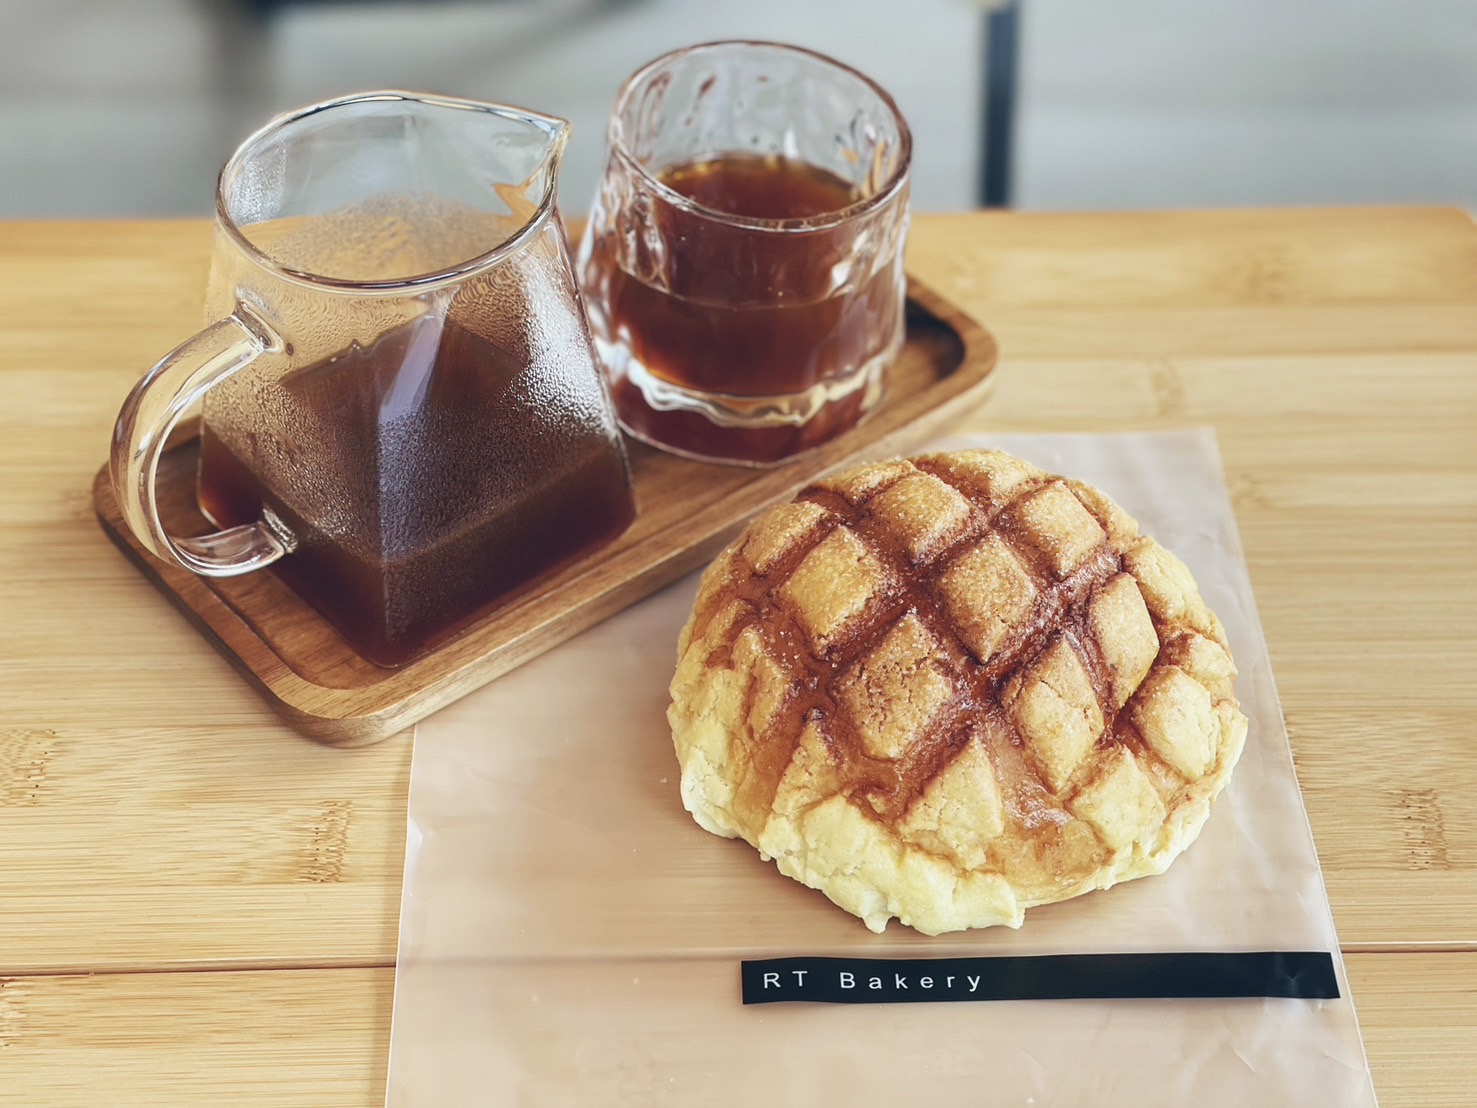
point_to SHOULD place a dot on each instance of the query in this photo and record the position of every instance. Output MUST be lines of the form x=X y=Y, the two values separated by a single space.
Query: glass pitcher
x=401 y=412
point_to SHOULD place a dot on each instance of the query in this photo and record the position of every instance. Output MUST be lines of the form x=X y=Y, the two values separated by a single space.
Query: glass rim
x=558 y=130
x=894 y=185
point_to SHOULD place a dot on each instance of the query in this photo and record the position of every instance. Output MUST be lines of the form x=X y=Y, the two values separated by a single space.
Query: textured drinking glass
x=743 y=266
x=401 y=408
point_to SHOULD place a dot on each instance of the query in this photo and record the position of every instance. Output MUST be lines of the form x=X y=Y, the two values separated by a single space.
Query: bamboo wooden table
x=197 y=905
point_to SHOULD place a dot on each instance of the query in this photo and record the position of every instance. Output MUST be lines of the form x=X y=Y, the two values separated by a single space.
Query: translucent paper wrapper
x=569 y=936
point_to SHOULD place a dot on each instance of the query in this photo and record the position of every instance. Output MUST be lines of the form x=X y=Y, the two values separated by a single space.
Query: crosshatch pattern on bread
x=952 y=688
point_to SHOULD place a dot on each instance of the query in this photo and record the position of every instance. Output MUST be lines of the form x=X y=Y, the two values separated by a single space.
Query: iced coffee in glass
x=743 y=267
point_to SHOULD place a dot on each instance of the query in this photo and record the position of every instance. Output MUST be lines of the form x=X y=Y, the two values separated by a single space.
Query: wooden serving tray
x=686 y=512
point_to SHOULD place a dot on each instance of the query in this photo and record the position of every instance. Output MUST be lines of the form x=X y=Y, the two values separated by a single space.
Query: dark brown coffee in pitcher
x=401 y=414
x=465 y=488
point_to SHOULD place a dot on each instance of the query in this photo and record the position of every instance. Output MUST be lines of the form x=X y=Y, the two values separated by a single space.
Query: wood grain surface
x=283 y=1038
x=156 y=816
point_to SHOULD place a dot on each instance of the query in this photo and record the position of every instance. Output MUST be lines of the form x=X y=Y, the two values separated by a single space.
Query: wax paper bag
x=569 y=936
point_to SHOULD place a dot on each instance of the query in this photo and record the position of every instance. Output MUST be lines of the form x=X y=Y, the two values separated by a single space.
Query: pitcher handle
x=150 y=414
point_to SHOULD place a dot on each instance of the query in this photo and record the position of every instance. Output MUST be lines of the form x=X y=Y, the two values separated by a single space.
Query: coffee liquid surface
x=761 y=186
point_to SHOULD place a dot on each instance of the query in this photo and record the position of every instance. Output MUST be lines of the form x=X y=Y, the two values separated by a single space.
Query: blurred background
x=129 y=107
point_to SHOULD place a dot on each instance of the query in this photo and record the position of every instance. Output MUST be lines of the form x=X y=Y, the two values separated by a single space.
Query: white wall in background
x=1196 y=103
x=111 y=108
x=569 y=57
x=121 y=108
x=128 y=107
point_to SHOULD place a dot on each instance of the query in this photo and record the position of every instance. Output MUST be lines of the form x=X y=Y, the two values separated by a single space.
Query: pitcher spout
x=539 y=189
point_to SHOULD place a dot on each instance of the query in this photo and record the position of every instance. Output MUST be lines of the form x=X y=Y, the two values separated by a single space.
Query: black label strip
x=1298 y=974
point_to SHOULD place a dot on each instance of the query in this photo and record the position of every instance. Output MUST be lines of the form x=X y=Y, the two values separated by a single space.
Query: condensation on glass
x=402 y=413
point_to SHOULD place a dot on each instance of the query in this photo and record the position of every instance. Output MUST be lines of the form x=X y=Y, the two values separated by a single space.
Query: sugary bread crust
x=949 y=689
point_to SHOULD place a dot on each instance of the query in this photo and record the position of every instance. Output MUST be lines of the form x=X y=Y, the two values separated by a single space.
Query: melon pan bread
x=952 y=688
